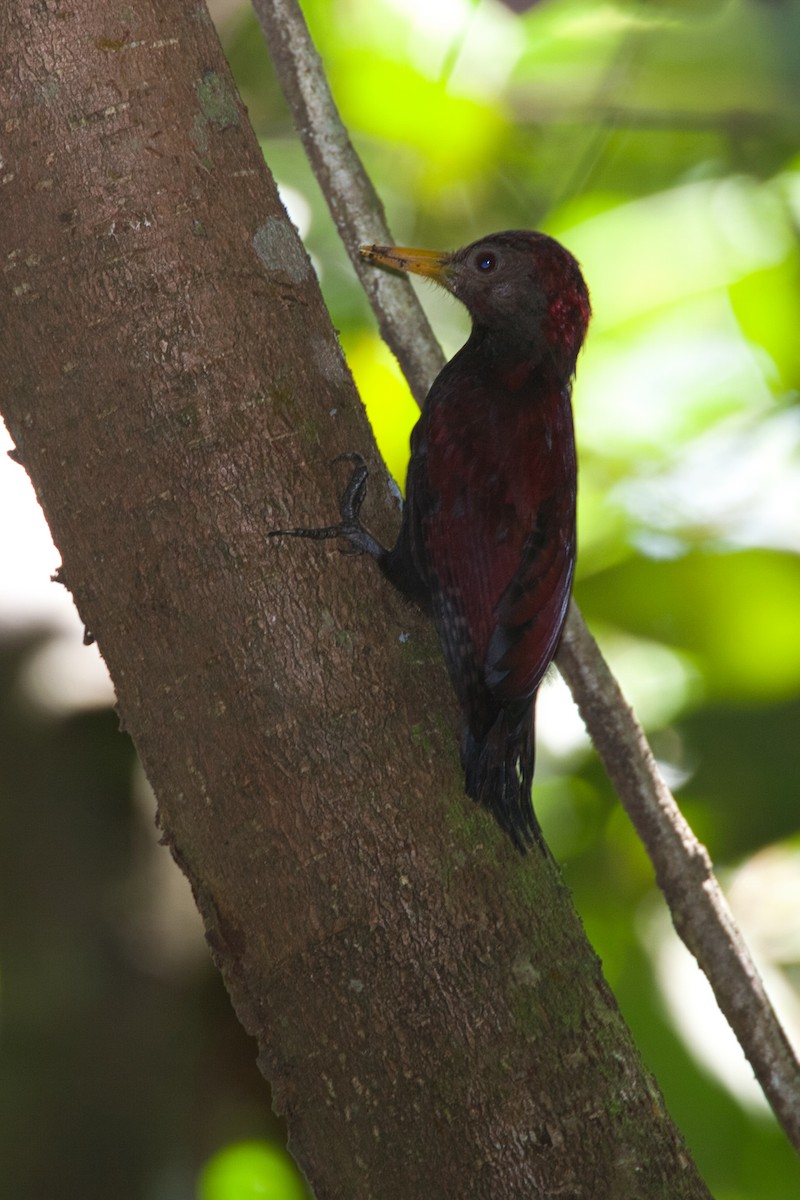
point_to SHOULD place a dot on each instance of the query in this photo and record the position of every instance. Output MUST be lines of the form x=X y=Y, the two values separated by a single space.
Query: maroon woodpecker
x=487 y=540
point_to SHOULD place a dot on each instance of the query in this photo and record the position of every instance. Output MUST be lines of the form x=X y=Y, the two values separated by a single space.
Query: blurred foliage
x=251 y=1171
x=659 y=141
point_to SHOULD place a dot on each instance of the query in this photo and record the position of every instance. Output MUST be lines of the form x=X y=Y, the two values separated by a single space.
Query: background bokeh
x=661 y=143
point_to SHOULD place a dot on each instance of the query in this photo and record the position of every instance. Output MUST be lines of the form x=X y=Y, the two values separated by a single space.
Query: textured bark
x=426 y=1006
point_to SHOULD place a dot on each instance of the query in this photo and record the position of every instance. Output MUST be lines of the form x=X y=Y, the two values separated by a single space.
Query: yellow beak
x=430 y=263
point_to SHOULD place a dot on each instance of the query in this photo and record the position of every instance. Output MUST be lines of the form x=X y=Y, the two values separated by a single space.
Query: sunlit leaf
x=391 y=408
x=734 y=614
x=451 y=134
x=767 y=306
x=251 y=1171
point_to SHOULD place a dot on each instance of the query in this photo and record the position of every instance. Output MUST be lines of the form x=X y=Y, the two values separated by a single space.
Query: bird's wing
x=500 y=576
x=532 y=611
x=492 y=498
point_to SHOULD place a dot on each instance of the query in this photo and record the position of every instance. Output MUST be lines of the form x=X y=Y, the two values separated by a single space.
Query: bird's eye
x=485 y=262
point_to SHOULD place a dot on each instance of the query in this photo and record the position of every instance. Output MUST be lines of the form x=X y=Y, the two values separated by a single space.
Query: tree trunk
x=426 y=1006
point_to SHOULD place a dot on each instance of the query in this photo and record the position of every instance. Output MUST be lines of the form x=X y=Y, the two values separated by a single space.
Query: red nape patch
x=567 y=320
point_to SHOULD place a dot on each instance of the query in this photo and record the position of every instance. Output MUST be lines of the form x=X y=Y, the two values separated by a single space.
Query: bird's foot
x=350 y=529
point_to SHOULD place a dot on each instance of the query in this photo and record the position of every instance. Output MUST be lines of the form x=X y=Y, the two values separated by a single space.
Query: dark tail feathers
x=498 y=771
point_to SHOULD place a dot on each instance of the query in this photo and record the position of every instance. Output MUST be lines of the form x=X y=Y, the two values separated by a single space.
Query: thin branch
x=353 y=201
x=683 y=870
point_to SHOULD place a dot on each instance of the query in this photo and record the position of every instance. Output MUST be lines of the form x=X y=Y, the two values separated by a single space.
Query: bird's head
x=521 y=288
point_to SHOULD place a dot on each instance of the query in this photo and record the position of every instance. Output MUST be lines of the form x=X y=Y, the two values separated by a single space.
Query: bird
x=487 y=540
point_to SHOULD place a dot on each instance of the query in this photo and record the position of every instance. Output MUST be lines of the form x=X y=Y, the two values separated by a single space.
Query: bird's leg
x=350 y=527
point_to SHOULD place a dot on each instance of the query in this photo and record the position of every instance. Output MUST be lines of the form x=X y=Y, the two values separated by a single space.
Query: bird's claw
x=355 y=493
x=350 y=528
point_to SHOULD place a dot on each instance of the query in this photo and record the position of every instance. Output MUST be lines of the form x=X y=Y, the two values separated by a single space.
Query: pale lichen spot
x=48 y=91
x=279 y=249
x=217 y=100
x=326 y=355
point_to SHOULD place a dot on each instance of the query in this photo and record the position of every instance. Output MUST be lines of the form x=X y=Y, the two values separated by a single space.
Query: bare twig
x=684 y=873
x=353 y=201
x=682 y=865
